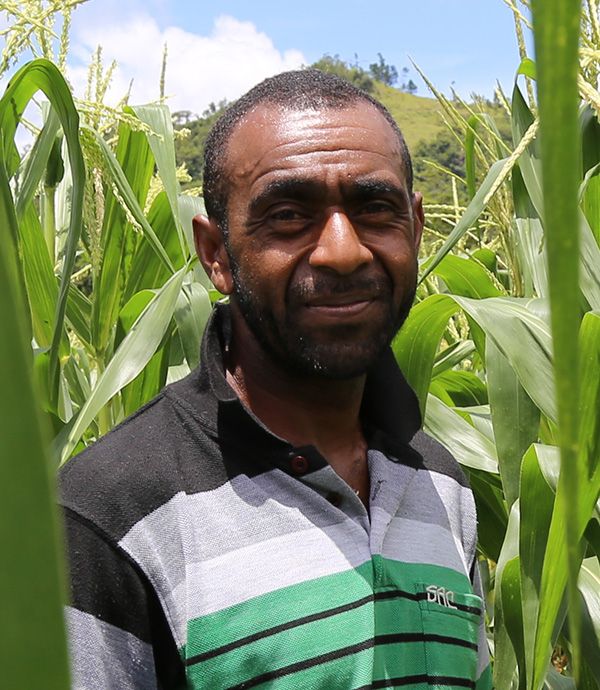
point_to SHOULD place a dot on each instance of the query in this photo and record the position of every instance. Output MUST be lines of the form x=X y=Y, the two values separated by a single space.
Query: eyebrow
x=293 y=188
x=368 y=188
x=304 y=189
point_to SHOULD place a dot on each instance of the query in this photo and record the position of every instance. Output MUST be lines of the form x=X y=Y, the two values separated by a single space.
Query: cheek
x=266 y=272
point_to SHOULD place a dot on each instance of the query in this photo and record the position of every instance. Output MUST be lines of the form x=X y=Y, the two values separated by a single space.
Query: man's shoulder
x=139 y=465
x=435 y=457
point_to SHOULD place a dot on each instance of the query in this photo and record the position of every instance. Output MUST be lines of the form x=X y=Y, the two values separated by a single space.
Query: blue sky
x=219 y=49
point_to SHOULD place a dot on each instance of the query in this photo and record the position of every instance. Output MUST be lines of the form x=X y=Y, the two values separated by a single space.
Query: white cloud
x=200 y=69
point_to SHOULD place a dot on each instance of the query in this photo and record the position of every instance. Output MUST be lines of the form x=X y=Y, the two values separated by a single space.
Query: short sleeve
x=118 y=635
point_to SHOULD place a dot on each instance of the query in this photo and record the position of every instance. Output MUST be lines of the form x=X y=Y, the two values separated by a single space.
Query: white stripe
x=279 y=562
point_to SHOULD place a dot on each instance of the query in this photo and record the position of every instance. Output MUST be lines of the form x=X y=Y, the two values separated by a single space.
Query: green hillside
x=419 y=118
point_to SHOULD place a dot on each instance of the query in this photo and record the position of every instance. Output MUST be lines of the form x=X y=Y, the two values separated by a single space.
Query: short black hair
x=309 y=89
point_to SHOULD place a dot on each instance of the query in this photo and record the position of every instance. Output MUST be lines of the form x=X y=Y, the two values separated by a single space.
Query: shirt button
x=299 y=464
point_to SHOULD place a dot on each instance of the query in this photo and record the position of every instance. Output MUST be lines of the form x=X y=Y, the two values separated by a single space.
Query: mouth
x=342 y=305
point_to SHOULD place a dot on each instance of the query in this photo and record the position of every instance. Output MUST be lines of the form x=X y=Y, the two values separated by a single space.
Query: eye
x=285 y=214
x=376 y=211
x=288 y=219
x=376 y=207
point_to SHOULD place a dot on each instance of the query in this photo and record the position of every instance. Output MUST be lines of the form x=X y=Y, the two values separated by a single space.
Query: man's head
x=312 y=225
x=297 y=90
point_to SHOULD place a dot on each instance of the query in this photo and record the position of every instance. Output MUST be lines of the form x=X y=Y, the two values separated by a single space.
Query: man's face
x=322 y=236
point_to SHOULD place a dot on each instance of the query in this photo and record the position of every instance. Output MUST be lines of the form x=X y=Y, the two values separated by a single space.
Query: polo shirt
x=205 y=552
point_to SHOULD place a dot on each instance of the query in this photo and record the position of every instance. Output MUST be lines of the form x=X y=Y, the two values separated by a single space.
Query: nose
x=339 y=247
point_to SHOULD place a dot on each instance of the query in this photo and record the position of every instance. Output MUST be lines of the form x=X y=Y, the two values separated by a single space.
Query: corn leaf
x=31 y=574
x=42 y=75
x=508 y=615
x=160 y=138
x=515 y=417
x=556 y=26
x=417 y=342
x=468 y=445
x=191 y=314
x=523 y=338
x=131 y=167
x=472 y=212
x=131 y=357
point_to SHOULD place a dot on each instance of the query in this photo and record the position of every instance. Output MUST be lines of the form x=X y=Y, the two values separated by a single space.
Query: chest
x=295 y=592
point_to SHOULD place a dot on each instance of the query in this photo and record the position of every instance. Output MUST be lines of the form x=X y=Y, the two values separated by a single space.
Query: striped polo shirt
x=207 y=553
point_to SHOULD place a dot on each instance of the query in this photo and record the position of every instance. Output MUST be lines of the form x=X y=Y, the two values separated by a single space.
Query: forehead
x=273 y=139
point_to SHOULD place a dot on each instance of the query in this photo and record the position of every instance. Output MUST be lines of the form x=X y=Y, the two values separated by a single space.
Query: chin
x=336 y=361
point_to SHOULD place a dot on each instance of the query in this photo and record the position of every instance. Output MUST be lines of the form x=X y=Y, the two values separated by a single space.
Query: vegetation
x=502 y=348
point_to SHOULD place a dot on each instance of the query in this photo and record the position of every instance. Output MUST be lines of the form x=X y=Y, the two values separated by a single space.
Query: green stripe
x=349 y=608
x=286 y=604
x=292 y=646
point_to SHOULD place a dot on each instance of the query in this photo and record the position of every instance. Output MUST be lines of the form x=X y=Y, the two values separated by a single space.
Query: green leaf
x=515 y=417
x=590 y=150
x=530 y=165
x=131 y=168
x=131 y=357
x=189 y=206
x=463 y=387
x=508 y=614
x=467 y=277
x=146 y=270
x=492 y=517
x=589 y=401
x=191 y=314
x=537 y=503
x=130 y=199
x=452 y=356
x=43 y=75
x=469 y=446
x=416 y=344
x=148 y=383
x=523 y=338
x=527 y=67
x=556 y=26
x=471 y=214
x=160 y=138
x=31 y=575
x=589 y=589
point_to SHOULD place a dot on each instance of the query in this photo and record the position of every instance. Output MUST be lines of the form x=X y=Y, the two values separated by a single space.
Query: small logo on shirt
x=440 y=595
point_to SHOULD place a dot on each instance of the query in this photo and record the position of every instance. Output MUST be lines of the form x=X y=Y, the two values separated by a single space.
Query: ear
x=418 y=219
x=210 y=248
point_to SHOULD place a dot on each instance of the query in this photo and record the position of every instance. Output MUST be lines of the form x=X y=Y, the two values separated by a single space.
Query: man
x=277 y=519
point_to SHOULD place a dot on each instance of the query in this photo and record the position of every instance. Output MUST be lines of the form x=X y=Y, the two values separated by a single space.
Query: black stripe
x=421 y=596
x=393 y=638
x=304 y=665
x=352 y=649
x=277 y=629
x=398 y=594
x=417 y=680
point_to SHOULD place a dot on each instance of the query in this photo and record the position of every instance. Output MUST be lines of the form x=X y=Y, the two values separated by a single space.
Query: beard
x=345 y=351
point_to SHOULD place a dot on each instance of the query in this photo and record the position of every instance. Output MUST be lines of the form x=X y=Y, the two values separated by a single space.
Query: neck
x=303 y=409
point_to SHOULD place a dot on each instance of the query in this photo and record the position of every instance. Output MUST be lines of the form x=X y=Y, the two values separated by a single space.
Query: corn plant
x=504 y=353
x=98 y=275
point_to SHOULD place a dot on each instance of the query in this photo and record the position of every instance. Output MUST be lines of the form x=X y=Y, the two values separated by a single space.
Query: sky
x=218 y=50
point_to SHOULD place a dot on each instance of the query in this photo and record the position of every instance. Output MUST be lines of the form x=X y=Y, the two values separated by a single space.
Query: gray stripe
x=265 y=567
x=104 y=657
x=412 y=541
x=186 y=546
